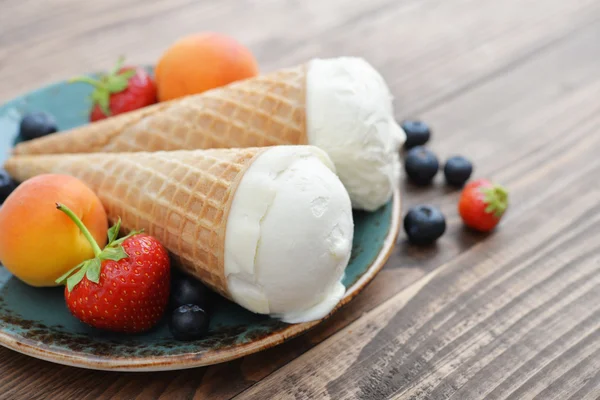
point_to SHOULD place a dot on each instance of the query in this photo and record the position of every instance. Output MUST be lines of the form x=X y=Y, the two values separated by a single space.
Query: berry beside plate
x=482 y=205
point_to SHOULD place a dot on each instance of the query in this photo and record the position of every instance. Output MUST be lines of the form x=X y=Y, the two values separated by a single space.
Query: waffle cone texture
x=182 y=198
x=267 y=110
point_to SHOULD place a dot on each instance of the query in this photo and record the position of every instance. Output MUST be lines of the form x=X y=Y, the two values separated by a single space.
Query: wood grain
x=513 y=85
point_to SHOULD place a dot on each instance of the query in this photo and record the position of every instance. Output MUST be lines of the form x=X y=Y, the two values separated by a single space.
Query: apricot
x=201 y=62
x=39 y=243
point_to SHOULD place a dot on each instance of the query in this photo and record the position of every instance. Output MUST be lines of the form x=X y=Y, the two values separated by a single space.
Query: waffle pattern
x=182 y=198
x=94 y=136
x=267 y=110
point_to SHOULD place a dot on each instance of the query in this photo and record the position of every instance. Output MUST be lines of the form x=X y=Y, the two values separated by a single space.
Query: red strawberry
x=125 y=288
x=482 y=205
x=121 y=90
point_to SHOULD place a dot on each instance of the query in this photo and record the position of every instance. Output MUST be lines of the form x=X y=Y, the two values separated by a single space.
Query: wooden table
x=513 y=84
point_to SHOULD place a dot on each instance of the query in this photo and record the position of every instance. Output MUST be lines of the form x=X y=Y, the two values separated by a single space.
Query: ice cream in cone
x=341 y=105
x=270 y=228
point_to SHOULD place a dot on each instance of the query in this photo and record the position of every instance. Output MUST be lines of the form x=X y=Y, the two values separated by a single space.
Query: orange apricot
x=201 y=62
x=39 y=243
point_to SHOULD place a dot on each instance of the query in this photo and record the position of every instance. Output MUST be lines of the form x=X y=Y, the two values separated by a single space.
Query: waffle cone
x=267 y=110
x=182 y=197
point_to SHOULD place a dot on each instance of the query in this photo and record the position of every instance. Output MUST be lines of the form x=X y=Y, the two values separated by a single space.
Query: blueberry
x=7 y=185
x=421 y=165
x=37 y=124
x=189 y=322
x=424 y=224
x=187 y=290
x=458 y=170
x=417 y=133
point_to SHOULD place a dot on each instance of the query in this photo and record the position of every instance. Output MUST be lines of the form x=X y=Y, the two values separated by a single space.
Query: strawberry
x=125 y=287
x=482 y=205
x=123 y=89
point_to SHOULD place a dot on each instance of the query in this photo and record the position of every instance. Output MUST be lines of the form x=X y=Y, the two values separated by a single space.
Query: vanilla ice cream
x=289 y=235
x=349 y=114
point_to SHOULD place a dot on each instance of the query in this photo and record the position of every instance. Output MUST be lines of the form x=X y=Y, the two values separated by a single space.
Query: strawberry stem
x=86 y=79
x=84 y=230
x=117 y=66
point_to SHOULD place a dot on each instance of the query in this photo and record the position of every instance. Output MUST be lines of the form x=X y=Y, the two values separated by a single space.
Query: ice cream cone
x=181 y=198
x=270 y=228
x=263 y=111
x=340 y=105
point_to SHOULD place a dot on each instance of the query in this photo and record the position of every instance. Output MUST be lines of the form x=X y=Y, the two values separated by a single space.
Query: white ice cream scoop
x=289 y=235
x=349 y=115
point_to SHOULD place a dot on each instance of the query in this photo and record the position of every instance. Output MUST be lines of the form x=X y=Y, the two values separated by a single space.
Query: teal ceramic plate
x=36 y=322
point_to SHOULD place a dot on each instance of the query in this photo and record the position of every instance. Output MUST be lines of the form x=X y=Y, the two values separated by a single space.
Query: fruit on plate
x=458 y=170
x=123 y=287
x=37 y=124
x=417 y=133
x=7 y=185
x=189 y=322
x=188 y=290
x=123 y=89
x=37 y=244
x=421 y=165
x=482 y=204
x=321 y=103
x=270 y=228
x=424 y=224
x=201 y=62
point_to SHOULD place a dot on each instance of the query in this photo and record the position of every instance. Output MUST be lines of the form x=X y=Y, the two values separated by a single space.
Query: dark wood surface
x=514 y=85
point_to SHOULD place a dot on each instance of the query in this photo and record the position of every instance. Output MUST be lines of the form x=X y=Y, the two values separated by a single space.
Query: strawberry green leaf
x=127 y=75
x=130 y=234
x=93 y=270
x=113 y=232
x=496 y=198
x=116 y=84
x=101 y=97
x=74 y=279
x=113 y=253
x=63 y=278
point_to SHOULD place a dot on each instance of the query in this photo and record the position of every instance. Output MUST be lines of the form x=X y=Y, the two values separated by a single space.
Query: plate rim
x=71 y=358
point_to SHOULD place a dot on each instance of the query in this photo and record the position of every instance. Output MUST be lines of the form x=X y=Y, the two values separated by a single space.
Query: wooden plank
x=516 y=315
x=428 y=50
x=69 y=37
